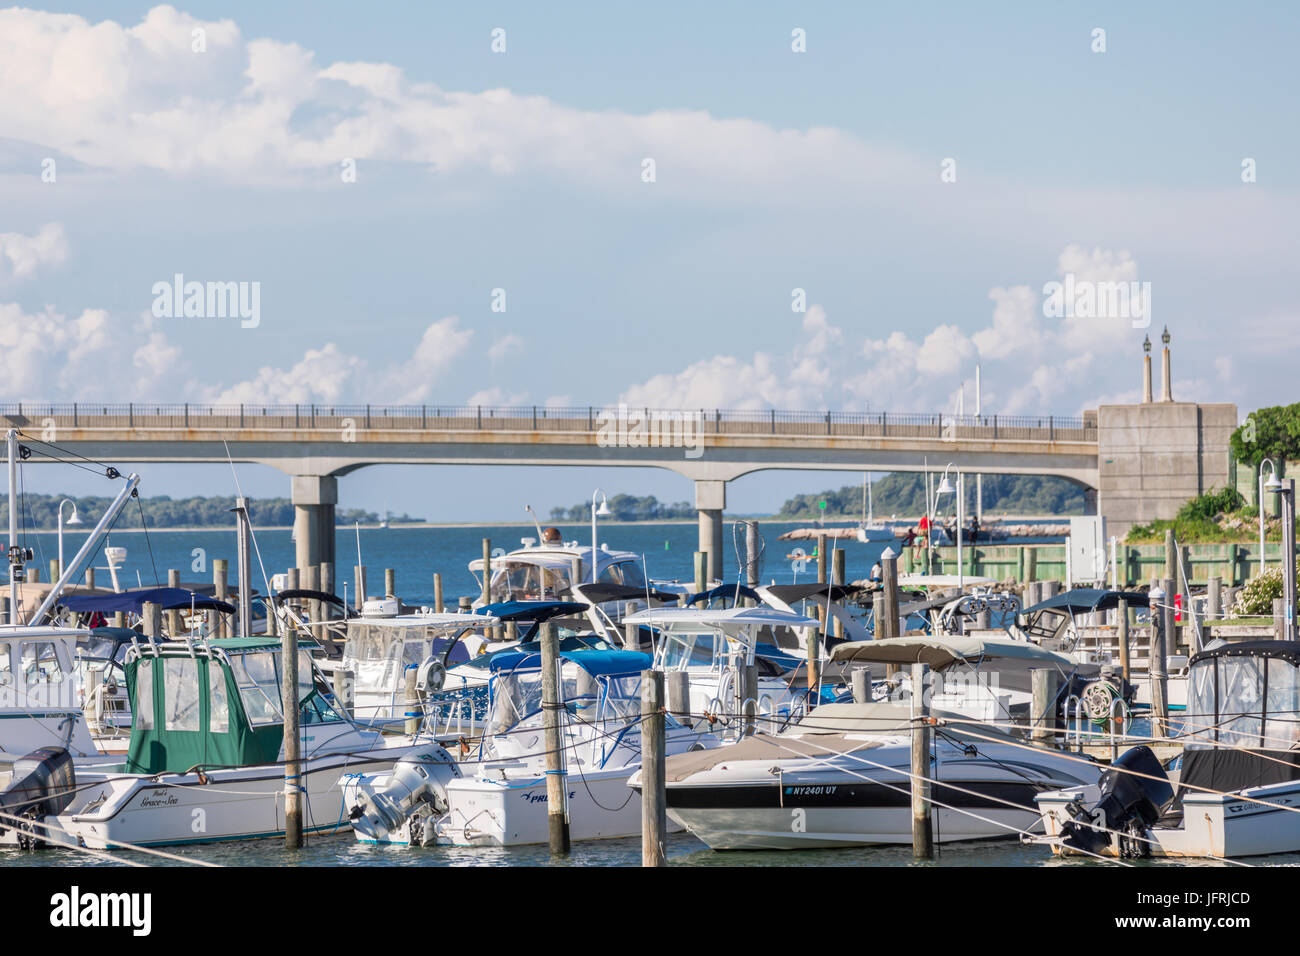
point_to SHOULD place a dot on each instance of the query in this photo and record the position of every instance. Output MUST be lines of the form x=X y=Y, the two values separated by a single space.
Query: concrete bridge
x=316 y=444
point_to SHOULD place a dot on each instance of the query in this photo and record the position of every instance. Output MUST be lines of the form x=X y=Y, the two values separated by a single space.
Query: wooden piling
x=838 y=573
x=631 y=632
x=90 y=577
x=359 y=577
x=174 y=617
x=390 y=582
x=220 y=577
x=437 y=592
x=1162 y=617
x=292 y=742
x=557 y=820
x=748 y=709
x=1214 y=598
x=654 y=816
x=413 y=711
x=56 y=570
x=1043 y=691
x=466 y=605
x=678 y=686
x=861 y=685
x=151 y=619
x=922 y=825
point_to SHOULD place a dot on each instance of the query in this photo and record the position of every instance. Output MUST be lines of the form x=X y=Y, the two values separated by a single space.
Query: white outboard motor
x=401 y=807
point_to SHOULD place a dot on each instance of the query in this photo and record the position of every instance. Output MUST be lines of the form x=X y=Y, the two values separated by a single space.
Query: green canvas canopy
x=204 y=709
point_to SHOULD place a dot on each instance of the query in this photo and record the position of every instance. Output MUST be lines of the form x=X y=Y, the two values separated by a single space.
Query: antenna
x=536 y=524
x=361 y=577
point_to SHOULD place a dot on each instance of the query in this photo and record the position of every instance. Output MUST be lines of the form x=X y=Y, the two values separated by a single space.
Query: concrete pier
x=314 y=498
x=710 y=500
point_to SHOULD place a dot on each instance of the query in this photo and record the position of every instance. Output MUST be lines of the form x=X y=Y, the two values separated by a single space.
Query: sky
x=755 y=205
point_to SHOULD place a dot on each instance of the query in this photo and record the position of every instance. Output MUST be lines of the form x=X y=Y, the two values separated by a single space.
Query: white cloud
x=503 y=346
x=27 y=254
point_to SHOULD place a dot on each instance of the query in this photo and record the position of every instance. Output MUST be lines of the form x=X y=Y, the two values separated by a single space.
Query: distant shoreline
x=605 y=522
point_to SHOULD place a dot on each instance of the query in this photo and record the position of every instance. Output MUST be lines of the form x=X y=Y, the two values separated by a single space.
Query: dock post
x=631 y=632
x=466 y=605
x=292 y=742
x=861 y=685
x=390 y=582
x=1157 y=669
x=812 y=638
x=487 y=570
x=359 y=576
x=90 y=577
x=1042 y=683
x=437 y=592
x=678 y=686
x=1121 y=616
x=56 y=570
x=886 y=611
x=751 y=552
x=151 y=618
x=413 y=710
x=922 y=825
x=838 y=577
x=174 y=617
x=1171 y=559
x=654 y=816
x=1214 y=598
x=748 y=709
x=557 y=819
x=220 y=568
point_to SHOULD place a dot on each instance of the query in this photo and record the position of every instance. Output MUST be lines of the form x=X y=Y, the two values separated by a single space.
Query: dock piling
x=557 y=820
x=654 y=817
x=922 y=824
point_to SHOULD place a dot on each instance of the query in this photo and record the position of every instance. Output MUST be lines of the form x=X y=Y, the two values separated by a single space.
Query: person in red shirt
x=922 y=537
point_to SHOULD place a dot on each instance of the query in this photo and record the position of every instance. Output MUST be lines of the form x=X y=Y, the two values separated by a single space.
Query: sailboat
x=869 y=530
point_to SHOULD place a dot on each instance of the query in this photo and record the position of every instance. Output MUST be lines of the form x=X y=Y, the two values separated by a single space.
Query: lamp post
x=1272 y=470
x=1286 y=488
x=603 y=511
x=74 y=520
x=944 y=488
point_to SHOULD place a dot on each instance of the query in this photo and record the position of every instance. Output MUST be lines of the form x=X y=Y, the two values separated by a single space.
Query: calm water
x=417 y=553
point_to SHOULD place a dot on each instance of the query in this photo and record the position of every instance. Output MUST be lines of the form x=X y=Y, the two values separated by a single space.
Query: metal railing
x=541 y=418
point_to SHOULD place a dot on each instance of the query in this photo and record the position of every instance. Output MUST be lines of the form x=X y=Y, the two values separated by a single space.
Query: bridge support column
x=710 y=499
x=314 y=498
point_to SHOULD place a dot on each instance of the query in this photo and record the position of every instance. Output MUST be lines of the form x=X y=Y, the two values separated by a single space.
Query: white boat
x=841 y=777
x=499 y=799
x=539 y=572
x=1236 y=791
x=714 y=645
x=205 y=760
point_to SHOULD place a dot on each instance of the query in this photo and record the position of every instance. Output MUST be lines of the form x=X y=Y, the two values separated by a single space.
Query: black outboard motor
x=43 y=785
x=1128 y=804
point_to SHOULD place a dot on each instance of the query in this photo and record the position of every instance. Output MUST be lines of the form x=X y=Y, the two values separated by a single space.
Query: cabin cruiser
x=547 y=571
x=713 y=646
x=500 y=799
x=841 y=776
x=1236 y=790
x=206 y=759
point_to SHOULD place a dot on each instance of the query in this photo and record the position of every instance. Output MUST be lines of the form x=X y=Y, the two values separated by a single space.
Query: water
x=416 y=553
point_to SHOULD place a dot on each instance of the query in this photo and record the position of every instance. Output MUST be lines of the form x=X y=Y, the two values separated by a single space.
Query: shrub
x=1257 y=597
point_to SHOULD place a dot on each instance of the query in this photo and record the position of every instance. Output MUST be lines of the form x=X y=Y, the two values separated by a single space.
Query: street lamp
x=945 y=487
x=73 y=521
x=1286 y=488
x=603 y=511
x=1272 y=470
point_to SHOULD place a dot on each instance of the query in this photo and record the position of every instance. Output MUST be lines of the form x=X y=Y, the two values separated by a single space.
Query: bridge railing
x=540 y=418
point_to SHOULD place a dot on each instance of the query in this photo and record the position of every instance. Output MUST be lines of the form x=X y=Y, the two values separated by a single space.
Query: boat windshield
x=1243 y=701
x=257 y=675
x=526 y=581
x=679 y=651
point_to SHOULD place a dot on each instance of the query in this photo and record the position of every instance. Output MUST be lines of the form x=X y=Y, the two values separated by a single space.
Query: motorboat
x=500 y=797
x=1235 y=790
x=539 y=572
x=714 y=646
x=841 y=776
x=205 y=760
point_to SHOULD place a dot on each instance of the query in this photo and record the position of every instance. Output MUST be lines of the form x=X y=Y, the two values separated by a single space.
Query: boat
x=1235 y=791
x=205 y=760
x=714 y=646
x=500 y=798
x=841 y=776
x=539 y=572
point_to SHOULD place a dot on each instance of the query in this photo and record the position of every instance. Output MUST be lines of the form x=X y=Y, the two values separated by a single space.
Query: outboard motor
x=413 y=795
x=1129 y=804
x=43 y=785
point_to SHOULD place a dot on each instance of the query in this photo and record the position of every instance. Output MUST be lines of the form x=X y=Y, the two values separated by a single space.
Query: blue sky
x=521 y=170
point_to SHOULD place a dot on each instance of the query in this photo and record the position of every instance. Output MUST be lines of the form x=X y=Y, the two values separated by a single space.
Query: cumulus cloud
x=27 y=254
x=504 y=345
x=124 y=97
x=1031 y=363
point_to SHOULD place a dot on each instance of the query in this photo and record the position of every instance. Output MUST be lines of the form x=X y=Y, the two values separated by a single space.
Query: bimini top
x=691 y=620
x=603 y=591
x=1083 y=600
x=726 y=592
x=171 y=599
x=794 y=593
x=609 y=663
x=942 y=653
x=530 y=610
x=1288 y=651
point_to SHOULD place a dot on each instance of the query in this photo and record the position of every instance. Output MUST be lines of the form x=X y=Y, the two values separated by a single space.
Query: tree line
x=41 y=512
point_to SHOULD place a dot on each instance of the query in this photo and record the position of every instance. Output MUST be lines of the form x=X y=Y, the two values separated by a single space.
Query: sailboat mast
x=12 y=437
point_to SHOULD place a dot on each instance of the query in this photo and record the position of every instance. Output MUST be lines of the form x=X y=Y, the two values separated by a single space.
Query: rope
x=148 y=850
